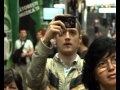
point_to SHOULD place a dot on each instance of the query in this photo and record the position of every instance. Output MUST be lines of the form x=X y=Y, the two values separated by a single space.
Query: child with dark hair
x=99 y=71
x=12 y=80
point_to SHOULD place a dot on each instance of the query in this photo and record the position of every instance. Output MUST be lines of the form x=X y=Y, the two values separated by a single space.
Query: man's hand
x=23 y=55
x=54 y=28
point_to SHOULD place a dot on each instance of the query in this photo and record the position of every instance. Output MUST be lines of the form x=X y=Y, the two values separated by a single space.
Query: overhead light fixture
x=100 y=2
x=107 y=10
x=59 y=6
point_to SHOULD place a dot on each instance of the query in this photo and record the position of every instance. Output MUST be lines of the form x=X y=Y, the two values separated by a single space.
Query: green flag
x=29 y=17
x=11 y=22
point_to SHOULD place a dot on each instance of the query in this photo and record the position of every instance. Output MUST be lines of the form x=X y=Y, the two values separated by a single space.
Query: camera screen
x=69 y=21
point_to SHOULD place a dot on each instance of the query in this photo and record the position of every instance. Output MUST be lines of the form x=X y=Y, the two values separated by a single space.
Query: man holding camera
x=63 y=71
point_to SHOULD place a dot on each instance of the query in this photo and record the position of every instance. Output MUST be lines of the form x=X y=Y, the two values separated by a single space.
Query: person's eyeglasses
x=104 y=63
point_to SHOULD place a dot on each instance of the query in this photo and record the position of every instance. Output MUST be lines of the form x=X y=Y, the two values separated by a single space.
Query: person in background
x=63 y=71
x=113 y=25
x=96 y=30
x=99 y=71
x=114 y=35
x=25 y=56
x=39 y=35
x=83 y=46
x=109 y=34
x=12 y=79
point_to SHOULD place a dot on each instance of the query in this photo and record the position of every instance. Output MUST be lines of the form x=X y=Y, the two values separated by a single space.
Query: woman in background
x=99 y=71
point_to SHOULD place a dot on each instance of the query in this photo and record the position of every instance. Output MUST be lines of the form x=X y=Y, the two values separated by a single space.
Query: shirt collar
x=61 y=61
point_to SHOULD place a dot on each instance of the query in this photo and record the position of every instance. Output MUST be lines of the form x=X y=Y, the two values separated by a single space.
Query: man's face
x=68 y=42
x=38 y=36
x=23 y=34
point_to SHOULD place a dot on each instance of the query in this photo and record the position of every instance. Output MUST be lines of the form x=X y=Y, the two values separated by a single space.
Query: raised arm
x=36 y=69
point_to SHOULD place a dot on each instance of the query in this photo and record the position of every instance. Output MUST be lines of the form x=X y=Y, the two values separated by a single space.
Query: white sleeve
x=17 y=44
x=30 y=44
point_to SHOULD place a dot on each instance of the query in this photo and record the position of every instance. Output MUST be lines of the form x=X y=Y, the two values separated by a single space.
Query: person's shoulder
x=50 y=63
x=50 y=60
x=18 y=40
x=80 y=61
x=28 y=40
x=6 y=39
x=79 y=58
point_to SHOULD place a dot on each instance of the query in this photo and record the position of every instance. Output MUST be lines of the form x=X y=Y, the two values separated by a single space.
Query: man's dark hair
x=97 y=50
x=22 y=29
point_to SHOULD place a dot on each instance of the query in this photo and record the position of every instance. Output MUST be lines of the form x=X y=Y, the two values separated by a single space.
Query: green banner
x=29 y=16
x=11 y=22
x=20 y=14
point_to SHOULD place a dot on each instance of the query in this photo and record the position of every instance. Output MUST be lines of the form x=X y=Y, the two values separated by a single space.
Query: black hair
x=23 y=29
x=97 y=50
x=10 y=75
x=85 y=40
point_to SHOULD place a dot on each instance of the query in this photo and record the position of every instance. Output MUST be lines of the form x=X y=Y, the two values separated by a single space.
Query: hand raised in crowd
x=54 y=28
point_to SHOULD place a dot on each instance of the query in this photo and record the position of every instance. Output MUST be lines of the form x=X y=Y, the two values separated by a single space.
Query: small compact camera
x=69 y=21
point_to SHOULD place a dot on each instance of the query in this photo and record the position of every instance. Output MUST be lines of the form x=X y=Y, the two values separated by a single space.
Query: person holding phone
x=63 y=71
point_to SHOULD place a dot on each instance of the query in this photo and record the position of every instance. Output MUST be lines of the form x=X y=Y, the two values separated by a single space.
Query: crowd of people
x=64 y=58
